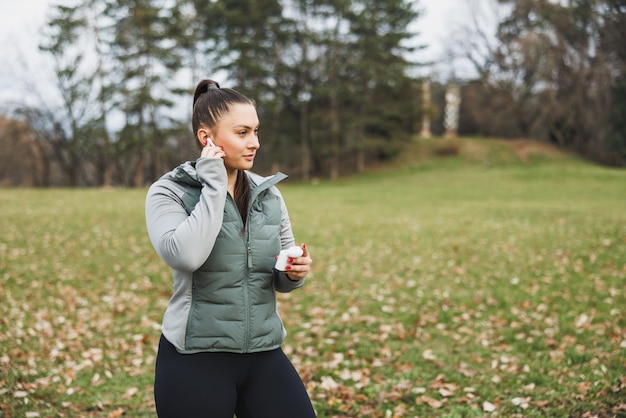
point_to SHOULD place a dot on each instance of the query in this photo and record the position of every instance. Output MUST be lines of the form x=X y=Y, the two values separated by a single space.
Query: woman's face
x=237 y=133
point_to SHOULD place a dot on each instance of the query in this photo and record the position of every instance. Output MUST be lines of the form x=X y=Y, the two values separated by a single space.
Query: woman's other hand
x=299 y=267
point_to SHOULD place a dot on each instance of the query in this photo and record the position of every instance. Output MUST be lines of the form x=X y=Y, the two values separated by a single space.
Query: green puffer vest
x=233 y=306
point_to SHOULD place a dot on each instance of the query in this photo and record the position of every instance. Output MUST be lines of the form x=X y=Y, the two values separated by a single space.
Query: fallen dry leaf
x=488 y=407
x=116 y=414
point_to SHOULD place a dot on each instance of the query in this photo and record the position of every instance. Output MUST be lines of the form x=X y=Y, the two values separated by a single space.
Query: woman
x=220 y=227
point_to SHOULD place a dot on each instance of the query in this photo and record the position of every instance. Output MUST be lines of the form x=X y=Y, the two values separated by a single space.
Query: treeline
x=333 y=81
x=330 y=79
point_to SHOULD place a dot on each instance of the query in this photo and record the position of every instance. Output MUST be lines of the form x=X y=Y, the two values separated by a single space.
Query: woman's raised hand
x=212 y=152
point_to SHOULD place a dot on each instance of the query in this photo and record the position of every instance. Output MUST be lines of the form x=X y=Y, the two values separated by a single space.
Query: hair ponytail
x=203 y=87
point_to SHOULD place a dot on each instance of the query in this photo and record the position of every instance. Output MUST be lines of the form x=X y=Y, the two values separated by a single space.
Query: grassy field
x=488 y=283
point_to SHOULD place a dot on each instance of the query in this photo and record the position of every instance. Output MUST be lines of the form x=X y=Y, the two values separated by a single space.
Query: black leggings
x=220 y=385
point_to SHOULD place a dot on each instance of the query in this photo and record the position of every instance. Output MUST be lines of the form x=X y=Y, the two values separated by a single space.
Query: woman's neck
x=232 y=179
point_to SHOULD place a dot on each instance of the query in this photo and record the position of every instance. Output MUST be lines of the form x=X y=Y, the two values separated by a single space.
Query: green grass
x=489 y=280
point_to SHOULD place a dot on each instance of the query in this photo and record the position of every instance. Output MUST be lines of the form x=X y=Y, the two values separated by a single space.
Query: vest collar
x=186 y=173
x=263 y=183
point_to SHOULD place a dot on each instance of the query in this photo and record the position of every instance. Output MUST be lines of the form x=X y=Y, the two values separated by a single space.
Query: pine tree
x=144 y=95
x=383 y=93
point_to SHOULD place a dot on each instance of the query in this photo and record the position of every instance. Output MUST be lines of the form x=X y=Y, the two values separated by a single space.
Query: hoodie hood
x=185 y=173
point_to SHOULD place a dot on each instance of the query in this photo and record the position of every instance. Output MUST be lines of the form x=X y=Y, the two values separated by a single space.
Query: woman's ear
x=203 y=135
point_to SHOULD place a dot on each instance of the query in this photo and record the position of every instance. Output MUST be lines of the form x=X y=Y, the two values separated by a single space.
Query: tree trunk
x=41 y=172
x=304 y=135
x=138 y=180
x=334 y=138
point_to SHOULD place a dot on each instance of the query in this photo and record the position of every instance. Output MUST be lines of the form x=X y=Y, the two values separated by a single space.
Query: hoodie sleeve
x=282 y=283
x=182 y=240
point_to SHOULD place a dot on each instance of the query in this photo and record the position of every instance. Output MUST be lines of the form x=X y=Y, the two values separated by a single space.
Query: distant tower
x=451 y=113
x=426 y=133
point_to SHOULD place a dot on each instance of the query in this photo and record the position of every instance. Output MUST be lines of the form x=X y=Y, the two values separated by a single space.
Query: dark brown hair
x=210 y=104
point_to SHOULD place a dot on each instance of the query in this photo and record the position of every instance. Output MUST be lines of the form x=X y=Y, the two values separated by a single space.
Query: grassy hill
x=470 y=279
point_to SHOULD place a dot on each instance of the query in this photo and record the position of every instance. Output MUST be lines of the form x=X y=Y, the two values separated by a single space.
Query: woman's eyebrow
x=245 y=127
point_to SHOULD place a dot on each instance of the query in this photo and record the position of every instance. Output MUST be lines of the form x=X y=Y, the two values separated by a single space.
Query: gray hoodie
x=224 y=284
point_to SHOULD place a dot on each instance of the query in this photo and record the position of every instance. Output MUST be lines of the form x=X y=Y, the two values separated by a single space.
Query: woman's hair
x=210 y=104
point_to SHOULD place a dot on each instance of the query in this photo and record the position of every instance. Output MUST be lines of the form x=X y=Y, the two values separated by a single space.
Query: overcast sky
x=21 y=21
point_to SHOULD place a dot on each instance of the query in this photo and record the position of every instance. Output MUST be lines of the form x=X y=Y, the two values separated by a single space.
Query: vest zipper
x=246 y=301
x=246 y=291
x=246 y=296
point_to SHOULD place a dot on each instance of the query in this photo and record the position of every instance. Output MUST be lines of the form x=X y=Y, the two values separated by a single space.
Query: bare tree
x=552 y=71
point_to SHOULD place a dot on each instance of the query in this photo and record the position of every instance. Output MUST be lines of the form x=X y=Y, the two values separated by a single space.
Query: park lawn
x=486 y=283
